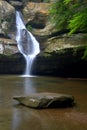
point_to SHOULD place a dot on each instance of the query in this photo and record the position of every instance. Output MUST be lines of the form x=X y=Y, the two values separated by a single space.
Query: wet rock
x=16 y=4
x=46 y=100
x=25 y=42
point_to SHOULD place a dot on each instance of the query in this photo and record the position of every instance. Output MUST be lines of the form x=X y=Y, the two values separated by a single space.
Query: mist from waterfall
x=27 y=44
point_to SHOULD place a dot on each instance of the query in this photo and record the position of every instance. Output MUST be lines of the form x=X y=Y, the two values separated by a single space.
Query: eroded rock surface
x=36 y=14
x=8 y=47
x=7 y=16
x=46 y=100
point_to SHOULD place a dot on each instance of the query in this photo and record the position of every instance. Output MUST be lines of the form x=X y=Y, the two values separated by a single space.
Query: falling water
x=27 y=44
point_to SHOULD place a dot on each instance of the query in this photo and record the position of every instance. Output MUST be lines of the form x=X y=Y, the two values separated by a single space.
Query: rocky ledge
x=46 y=100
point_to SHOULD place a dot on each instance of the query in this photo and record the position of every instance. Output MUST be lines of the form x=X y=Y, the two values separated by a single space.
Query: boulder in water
x=46 y=100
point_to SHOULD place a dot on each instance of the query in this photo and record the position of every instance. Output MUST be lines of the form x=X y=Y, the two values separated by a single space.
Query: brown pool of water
x=17 y=117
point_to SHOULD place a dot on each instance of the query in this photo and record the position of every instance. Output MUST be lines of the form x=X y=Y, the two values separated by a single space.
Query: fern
x=69 y=14
x=85 y=54
x=78 y=21
x=67 y=1
x=60 y=14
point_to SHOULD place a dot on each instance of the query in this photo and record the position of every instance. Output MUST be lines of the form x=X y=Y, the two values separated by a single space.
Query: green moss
x=29 y=27
x=85 y=53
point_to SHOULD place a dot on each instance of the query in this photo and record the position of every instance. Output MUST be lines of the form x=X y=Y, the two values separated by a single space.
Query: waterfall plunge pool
x=17 y=117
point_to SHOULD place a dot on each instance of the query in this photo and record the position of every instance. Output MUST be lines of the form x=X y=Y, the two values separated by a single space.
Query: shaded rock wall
x=64 y=63
x=14 y=64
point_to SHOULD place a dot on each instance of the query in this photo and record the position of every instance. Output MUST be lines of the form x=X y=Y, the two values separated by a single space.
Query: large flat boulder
x=46 y=100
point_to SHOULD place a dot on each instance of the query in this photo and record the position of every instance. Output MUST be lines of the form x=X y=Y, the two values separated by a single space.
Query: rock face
x=64 y=41
x=16 y=4
x=8 y=47
x=12 y=64
x=62 y=56
x=36 y=14
x=46 y=100
x=64 y=63
x=6 y=17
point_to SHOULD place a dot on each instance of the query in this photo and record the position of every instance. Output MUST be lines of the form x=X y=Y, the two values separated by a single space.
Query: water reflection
x=22 y=117
x=53 y=119
x=31 y=119
x=17 y=117
x=29 y=85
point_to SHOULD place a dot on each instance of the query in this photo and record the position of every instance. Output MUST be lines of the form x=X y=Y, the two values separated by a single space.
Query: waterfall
x=27 y=44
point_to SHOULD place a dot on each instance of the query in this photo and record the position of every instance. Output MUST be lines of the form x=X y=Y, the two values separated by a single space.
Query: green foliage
x=45 y=1
x=69 y=14
x=78 y=22
x=29 y=27
x=85 y=53
x=79 y=19
x=60 y=14
x=67 y=1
